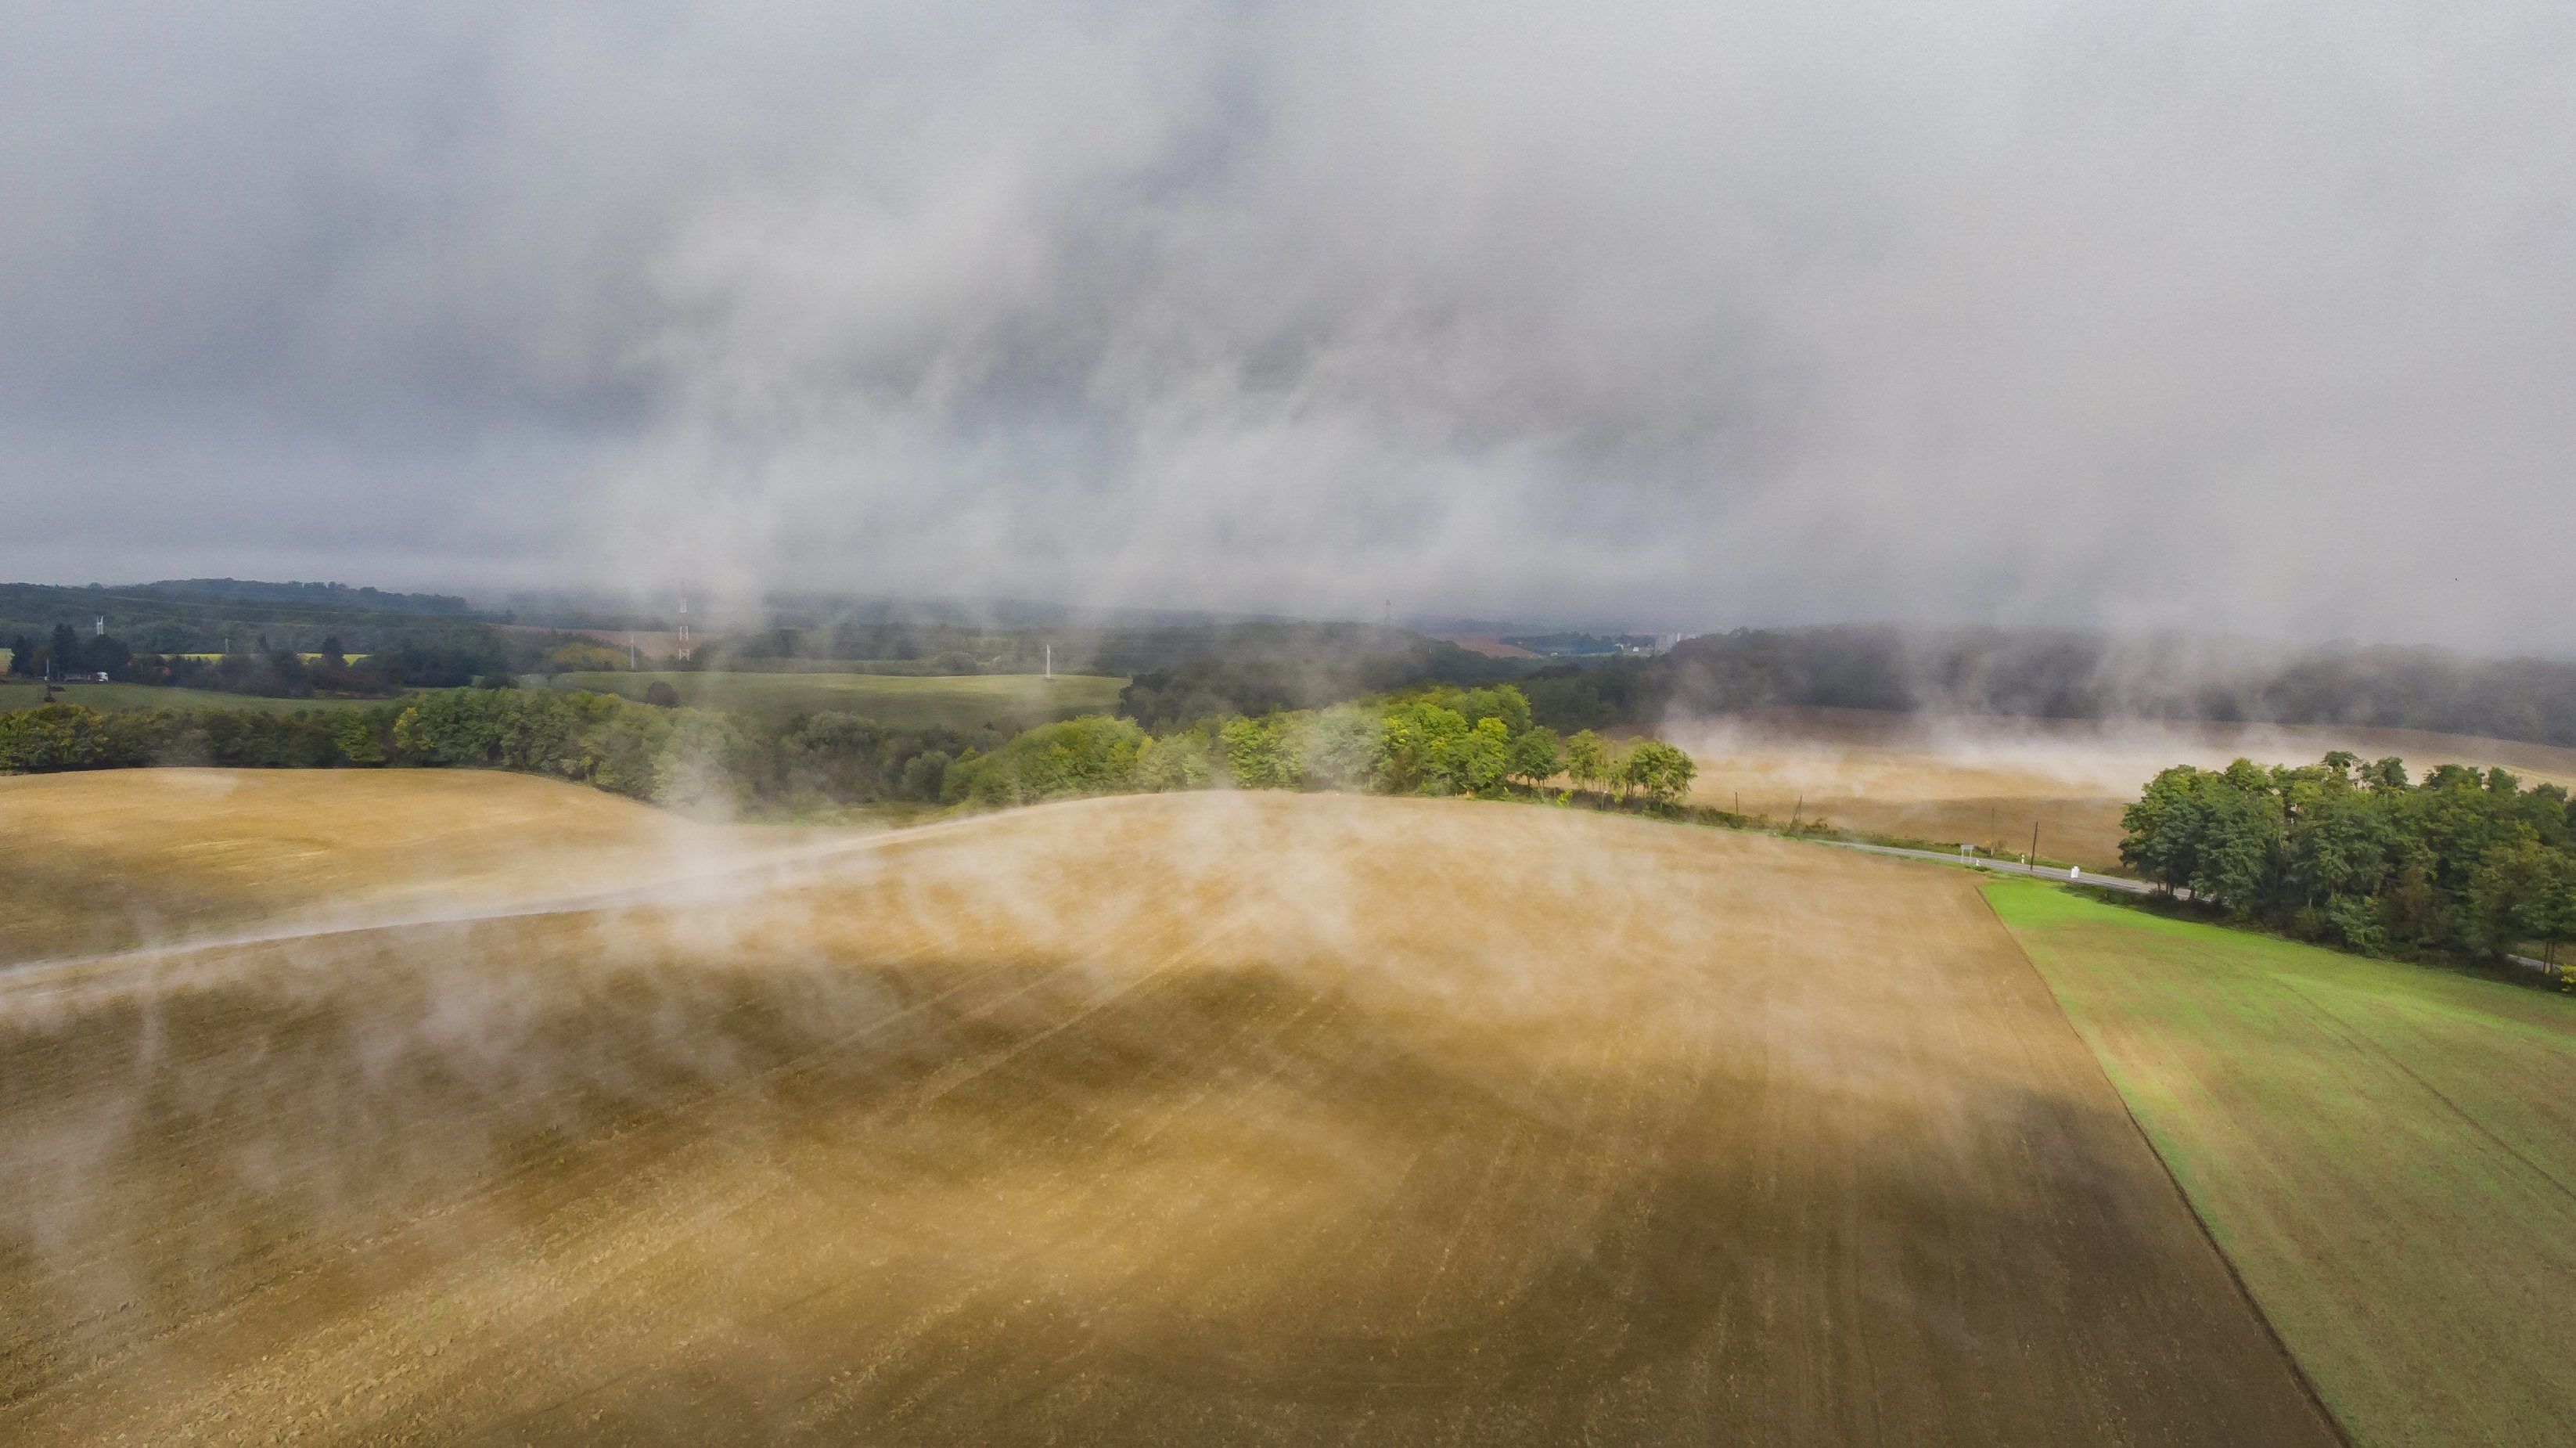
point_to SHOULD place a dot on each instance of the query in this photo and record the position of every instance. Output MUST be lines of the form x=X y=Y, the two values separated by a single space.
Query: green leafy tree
x=2163 y=832
x=1264 y=753
x=359 y=738
x=1587 y=760
x=1412 y=741
x=1501 y=702
x=1185 y=760
x=1614 y=770
x=833 y=755
x=2244 y=839
x=1535 y=756
x=924 y=773
x=1474 y=761
x=1089 y=754
x=1344 y=747
x=1660 y=773
x=2523 y=892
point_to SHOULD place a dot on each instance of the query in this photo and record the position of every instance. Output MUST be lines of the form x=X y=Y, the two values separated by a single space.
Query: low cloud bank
x=2246 y=318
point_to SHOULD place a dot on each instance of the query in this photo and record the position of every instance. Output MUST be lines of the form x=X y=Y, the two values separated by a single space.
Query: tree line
x=441 y=658
x=2459 y=863
x=664 y=755
x=2059 y=674
x=199 y=616
x=1478 y=743
x=1441 y=741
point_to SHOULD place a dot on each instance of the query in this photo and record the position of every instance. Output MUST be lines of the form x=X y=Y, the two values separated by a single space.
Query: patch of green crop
x=2387 y=1152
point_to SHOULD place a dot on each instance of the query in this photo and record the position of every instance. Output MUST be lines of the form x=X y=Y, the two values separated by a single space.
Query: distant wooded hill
x=201 y=615
x=323 y=595
x=2080 y=676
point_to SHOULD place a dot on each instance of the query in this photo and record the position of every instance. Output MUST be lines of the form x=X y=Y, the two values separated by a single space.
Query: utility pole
x=2033 y=859
x=1050 y=663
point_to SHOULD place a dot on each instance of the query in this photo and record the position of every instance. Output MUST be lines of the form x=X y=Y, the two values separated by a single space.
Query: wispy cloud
x=2250 y=317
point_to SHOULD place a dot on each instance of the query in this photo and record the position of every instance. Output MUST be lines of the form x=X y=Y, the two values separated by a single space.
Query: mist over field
x=1225 y=1116
x=2246 y=318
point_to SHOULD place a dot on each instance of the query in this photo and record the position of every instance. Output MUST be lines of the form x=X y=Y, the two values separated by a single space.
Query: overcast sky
x=2253 y=317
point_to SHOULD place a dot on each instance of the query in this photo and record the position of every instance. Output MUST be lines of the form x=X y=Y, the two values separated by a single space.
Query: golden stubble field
x=1987 y=781
x=1217 y=1118
x=122 y=858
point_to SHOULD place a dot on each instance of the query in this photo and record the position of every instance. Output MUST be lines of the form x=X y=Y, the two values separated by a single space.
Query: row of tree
x=69 y=653
x=440 y=659
x=2052 y=674
x=1441 y=741
x=673 y=756
x=2458 y=863
x=1472 y=742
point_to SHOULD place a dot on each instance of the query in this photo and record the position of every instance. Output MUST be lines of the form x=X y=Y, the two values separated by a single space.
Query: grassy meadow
x=2387 y=1152
x=898 y=701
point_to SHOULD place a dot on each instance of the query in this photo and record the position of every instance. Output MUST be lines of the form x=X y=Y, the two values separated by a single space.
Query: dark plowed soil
x=1190 y=1120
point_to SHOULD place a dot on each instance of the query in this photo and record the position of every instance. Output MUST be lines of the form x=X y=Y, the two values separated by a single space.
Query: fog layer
x=2242 y=316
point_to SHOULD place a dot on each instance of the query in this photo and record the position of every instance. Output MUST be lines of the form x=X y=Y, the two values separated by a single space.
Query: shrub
x=1265 y=753
x=1091 y=754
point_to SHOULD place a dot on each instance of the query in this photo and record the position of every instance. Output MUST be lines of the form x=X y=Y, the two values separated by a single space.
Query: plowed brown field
x=1181 y=1119
x=126 y=857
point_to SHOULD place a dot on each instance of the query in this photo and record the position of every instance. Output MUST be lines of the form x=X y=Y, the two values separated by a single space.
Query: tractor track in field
x=1281 y=1119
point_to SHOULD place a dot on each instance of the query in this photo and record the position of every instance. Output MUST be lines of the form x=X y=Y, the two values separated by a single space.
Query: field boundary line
x=2298 y=1370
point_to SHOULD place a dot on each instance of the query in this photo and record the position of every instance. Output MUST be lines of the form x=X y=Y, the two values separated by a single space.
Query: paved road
x=2009 y=867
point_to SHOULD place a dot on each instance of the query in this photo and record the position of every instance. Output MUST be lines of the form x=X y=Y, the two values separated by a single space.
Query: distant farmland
x=1223 y=1117
x=2387 y=1153
x=1987 y=781
x=897 y=701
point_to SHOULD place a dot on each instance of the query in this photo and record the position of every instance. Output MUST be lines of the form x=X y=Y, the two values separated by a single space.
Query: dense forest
x=668 y=755
x=278 y=638
x=2458 y=863
x=1440 y=741
x=2074 y=676
x=218 y=615
x=1436 y=741
x=434 y=658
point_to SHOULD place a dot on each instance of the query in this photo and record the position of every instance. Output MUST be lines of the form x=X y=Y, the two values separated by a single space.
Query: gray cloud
x=2245 y=317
